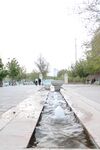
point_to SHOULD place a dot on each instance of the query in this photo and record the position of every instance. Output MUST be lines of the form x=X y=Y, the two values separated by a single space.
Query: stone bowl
x=57 y=84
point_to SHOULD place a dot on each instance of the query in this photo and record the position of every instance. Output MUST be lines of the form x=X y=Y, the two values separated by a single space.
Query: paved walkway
x=12 y=95
x=87 y=111
x=17 y=124
x=89 y=91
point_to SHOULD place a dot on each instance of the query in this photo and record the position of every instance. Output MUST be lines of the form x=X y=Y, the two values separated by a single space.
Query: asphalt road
x=12 y=95
x=91 y=92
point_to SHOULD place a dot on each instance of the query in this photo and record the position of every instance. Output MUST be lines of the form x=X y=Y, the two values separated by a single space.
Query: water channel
x=58 y=126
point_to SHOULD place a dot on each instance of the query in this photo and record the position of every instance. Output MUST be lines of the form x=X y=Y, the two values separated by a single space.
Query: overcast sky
x=29 y=28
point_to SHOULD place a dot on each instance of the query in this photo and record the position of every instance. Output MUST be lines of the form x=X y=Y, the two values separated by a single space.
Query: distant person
x=93 y=80
x=39 y=80
x=36 y=82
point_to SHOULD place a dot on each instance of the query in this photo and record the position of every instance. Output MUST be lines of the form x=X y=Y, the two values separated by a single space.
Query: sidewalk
x=86 y=110
x=17 y=125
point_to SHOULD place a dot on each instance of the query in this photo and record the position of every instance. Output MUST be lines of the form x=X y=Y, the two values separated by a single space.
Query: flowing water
x=59 y=127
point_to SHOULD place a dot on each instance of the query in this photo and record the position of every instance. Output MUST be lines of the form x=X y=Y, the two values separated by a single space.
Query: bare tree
x=42 y=65
x=94 y=8
x=90 y=9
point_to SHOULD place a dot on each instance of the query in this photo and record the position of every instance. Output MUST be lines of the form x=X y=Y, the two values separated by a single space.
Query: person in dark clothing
x=39 y=81
x=93 y=80
x=36 y=81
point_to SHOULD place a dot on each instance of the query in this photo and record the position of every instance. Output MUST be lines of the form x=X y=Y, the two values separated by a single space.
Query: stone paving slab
x=86 y=110
x=15 y=134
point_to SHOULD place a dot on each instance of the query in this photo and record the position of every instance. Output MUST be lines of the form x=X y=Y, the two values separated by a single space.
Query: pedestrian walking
x=39 y=81
x=36 y=82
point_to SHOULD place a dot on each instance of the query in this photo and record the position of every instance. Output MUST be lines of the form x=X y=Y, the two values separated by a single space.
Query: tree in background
x=78 y=72
x=91 y=64
x=90 y=12
x=93 y=7
x=33 y=75
x=22 y=74
x=93 y=55
x=42 y=65
x=3 y=73
x=61 y=73
x=81 y=69
x=13 y=70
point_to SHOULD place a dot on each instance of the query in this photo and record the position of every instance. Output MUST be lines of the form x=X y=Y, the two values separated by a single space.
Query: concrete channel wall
x=87 y=111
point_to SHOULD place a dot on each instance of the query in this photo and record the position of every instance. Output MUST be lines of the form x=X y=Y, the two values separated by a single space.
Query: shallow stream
x=59 y=127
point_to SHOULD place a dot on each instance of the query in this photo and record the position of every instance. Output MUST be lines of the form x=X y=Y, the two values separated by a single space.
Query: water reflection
x=58 y=127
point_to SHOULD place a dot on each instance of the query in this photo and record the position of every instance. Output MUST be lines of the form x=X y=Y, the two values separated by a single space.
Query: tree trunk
x=1 y=83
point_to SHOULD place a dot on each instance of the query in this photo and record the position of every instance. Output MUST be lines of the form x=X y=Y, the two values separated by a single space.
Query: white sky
x=29 y=28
